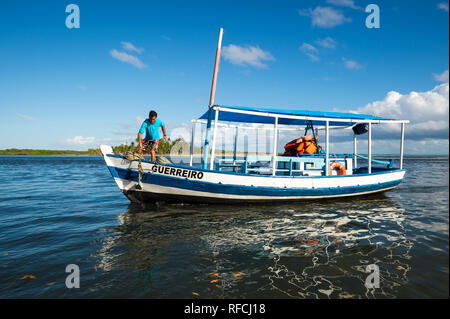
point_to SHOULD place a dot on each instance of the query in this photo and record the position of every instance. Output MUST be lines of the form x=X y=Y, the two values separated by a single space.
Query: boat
x=268 y=177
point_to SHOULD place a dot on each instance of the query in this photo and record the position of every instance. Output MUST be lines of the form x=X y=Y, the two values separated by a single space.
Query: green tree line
x=163 y=148
x=180 y=145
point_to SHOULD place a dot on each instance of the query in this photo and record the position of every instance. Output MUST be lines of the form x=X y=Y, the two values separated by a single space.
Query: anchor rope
x=132 y=156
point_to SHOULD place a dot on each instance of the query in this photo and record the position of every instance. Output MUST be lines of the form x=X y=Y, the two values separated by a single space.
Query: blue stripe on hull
x=163 y=180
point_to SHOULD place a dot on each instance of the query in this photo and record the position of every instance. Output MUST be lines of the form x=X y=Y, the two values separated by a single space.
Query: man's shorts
x=149 y=143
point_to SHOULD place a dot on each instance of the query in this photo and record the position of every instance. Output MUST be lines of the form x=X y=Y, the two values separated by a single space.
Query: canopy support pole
x=275 y=146
x=402 y=145
x=213 y=149
x=208 y=133
x=235 y=144
x=192 y=142
x=355 y=151
x=211 y=99
x=327 y=148
x=369 y=151
x=257 y=141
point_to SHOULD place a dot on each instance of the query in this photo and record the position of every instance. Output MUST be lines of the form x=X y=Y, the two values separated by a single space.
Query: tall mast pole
x=216 y=69
x=211 y=100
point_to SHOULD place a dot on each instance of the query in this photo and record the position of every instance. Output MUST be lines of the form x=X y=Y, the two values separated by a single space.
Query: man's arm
x=164 y=132
x=140 y=141
x=141 y=131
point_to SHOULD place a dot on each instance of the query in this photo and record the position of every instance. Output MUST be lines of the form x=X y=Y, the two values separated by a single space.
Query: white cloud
x=428 y=112
x=443 y=6
x=308 y=47
x=125 y=125
x=130 y=47
x=343 y=144
x=426 y=146
x=125 y=132
x=80 y=140
x=352 y=65
x=325 y=17
x=127 y=58
x=131 y=128
x=443 y=77
x=310 y=51
x=139 y=121
x=344 y=3
x=26 y=117
x=328 y=43
x=249 y=55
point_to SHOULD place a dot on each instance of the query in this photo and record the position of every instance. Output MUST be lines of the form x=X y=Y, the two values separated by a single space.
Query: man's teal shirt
x=151 y=130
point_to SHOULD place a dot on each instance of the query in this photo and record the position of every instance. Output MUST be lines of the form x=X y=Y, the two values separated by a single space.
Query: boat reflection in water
x=311 y=250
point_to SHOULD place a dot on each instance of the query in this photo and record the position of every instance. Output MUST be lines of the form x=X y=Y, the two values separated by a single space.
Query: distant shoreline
x=15 y=151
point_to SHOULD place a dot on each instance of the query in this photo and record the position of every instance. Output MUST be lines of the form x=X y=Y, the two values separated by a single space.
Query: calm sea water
x=57 y=210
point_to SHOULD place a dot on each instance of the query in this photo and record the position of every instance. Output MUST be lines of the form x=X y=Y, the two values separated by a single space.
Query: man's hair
x=152 y=114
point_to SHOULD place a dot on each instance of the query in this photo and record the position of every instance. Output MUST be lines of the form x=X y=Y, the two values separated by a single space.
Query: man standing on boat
x=151 y=129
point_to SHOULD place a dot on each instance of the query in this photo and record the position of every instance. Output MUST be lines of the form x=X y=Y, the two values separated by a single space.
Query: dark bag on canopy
x=360 y=128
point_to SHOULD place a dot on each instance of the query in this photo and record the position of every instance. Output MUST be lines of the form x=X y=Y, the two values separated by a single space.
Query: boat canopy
x=293 y=117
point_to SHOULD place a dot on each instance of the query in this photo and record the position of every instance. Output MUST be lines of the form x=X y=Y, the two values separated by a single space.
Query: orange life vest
x=306 y=147
x=303 y=145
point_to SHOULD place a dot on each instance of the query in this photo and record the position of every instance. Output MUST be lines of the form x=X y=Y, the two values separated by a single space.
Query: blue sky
x=66 y=88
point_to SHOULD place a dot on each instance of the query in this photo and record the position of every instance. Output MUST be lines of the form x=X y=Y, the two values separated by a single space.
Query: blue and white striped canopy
x=290 y=117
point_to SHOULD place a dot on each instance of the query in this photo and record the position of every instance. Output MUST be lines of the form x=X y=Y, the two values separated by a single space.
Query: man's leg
x=154 y=150
x=144 y=147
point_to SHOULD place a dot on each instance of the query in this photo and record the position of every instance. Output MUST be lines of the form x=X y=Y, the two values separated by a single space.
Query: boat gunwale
x=386 y=170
